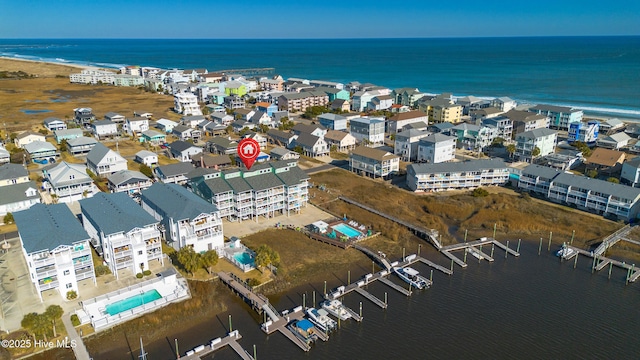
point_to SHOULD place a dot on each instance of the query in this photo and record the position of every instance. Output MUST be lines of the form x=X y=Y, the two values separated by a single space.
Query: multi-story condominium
x=367 y=130
x=526 y=121
x=103 y=161
x=56 y=248
x=302 y=100
x=128 y=237
x=186 y=104
x=188 y=219
x=68 y=182
x=436 y=148
x=406 y=143
x=599 y=196
x=544 y=139
x=373 y=162
x=92 y=77
x=560 y=116
x=18 y=192
x=441 y=109
x=503 y=103
x=268 y=189
x=274 y=84
x=128 y=181
x=457 y=175
x=333 y=121
x=397 y=122
x=584 y=132
x=503 y=124
x=127 y=80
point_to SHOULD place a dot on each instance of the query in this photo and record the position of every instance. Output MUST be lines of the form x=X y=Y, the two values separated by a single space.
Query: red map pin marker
x=248 y=151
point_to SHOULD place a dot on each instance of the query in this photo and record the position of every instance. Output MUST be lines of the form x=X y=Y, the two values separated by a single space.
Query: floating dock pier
x=600 y=262
x=475 y=247
x=231 y=340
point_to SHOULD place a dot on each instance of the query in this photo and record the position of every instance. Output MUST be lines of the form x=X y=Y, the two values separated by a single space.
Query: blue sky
x=315 y=19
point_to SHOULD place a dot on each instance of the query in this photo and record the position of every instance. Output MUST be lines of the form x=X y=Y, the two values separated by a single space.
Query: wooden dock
x=258 y=302
x=370 y=297
x=434 y=265
x=600 y=262
x=230 y=340
x=394 y=286
x=476 y=246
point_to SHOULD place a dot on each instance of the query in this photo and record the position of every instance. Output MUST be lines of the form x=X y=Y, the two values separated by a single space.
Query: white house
x=68 y=182
x=186 y=104
x=312 y=145
x=316 y=130
x=259 y=138
x=166 y=125
x=406 y=143
x=103 y=161
x=104 y=129
x=136 y=125
x=436 y=148
x=544 y=139
x=128 y=181
x=5 y=156
x=18 y=193
x=503 y=103
x=53 y=123
x=188 y=219
x=147 y=157
x=367 y=129
x=630 y=174
x=343 y=141
x=457 y=175
x=56 y=248
x=260 y=118
x=174 y=173
x=28 y=137
x=333 y=121
x=615 y=141
x=192 y=121
x=398 y=121
x=183 y=150
x=115 y=117
x=128 y=236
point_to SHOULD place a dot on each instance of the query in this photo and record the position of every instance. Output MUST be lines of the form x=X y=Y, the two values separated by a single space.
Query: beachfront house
x=615 y=141
x=53 y=123
x=367 y=130
x=146 y=157
x=406 y=96
x=602 y=197
x=173 y=173
x=560 y=116
x=128 y=181
x=373 y=162
x=543 y=139
x=103 y=161
x=457 y=175
x=436 y=148
x=406 y=144
x=68 y=182
x=503 y=103
x=18 y=192
x=27 y=137
x=127 y=236
x=397 y=122
x=188 y=219
x=56 y=249
x=81 y=145
x=103 y=129
x=584 y=132
x=610 y=126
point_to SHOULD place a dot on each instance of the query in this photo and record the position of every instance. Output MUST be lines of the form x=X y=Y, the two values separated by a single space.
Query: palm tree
x=53 y=313
x=511 y=149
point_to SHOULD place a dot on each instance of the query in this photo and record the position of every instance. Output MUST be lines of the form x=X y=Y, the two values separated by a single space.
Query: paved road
x=335 y=164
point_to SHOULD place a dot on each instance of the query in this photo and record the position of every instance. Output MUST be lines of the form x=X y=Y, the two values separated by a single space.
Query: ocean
x=598 y=74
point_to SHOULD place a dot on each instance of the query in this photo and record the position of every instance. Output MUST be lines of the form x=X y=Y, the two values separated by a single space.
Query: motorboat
x=335 y=308
x=320 y=318
x=411 y=276
x=565 y=252
x=304 y=330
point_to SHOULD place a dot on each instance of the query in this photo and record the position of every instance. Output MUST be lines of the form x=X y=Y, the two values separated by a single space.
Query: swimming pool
x=131 y=302
x=347 y=230
x=244 y=258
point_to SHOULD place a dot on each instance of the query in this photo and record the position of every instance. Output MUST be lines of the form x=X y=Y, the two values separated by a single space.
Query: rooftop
x=115 y=213
x=45 y=227
x=176 y=201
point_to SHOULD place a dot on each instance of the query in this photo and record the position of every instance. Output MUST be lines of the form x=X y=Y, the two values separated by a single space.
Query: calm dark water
x=532 y=307
x=599 y=74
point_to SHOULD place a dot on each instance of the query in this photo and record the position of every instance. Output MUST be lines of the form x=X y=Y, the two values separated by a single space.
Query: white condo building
x=186 y=104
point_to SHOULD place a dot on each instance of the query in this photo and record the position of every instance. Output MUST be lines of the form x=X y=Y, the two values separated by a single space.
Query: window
x=66 y=272
x=140 y=252
x=69 y=286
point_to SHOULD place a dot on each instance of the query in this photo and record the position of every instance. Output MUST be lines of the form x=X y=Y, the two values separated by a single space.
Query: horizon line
x=326 y=38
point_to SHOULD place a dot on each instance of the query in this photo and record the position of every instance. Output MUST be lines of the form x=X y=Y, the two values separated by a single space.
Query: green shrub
x=479 y=192
x=139 y=275
x=71 y=294
x=75 y=321
x=102 y=270
x=146 y=272
x=253 y=282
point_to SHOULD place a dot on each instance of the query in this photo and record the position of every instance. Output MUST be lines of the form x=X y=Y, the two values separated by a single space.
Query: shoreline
x=590 y=111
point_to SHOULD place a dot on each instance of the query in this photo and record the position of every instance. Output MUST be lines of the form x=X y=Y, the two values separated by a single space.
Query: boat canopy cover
x=304 y=325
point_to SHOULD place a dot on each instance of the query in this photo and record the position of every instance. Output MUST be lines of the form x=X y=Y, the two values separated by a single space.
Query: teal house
x=153 y=137
x=334 y=93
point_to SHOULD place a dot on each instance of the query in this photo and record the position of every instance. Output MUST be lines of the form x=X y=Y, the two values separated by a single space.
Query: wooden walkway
x=375 y=256
x=429 y=234
x=231 y=340
x=258 y=302
x=612 y=239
